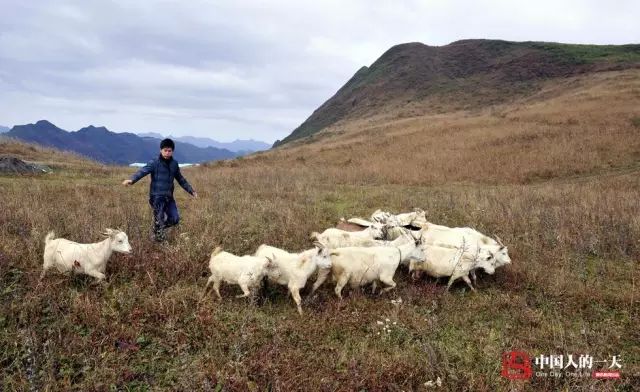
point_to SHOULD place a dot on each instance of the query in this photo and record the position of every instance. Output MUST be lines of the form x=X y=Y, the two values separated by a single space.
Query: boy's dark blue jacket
x=163 y=172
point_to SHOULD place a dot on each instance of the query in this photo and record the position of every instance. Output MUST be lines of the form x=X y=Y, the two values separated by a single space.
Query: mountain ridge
x=105 y=146
x=464 y=74
x=241 y=146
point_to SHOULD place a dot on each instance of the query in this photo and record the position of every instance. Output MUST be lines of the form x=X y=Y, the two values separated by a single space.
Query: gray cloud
x=241 y=69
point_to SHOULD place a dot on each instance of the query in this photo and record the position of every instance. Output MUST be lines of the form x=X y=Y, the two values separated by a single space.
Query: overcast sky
x=242 y=69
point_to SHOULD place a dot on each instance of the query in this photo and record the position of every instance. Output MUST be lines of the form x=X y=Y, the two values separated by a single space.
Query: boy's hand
x=127 y=182
x=195 y=194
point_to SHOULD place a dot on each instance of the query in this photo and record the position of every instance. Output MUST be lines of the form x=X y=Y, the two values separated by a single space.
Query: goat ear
x=108 y=232
x=499 y=241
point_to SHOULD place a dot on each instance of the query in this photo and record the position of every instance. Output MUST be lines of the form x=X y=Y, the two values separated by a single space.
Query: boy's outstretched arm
x=146 y=169
x=185 y=184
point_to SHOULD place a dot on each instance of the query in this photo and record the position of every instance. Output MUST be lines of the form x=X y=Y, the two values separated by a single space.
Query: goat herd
x=358 y=252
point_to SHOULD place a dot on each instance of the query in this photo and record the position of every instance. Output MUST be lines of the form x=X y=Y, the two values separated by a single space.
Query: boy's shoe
x=159 y=235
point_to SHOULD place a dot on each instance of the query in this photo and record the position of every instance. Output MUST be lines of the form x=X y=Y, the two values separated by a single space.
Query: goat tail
x=49 y=237
x=217 y=250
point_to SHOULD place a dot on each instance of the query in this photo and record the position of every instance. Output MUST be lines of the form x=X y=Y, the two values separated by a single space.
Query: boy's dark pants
x=165 y=212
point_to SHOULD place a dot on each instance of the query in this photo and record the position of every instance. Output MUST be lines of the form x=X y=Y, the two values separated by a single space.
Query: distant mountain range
x=238 y=145
x=3 y=129
x=109 y=147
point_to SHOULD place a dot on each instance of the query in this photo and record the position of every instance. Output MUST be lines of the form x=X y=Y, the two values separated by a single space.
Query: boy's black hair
x=167 y=143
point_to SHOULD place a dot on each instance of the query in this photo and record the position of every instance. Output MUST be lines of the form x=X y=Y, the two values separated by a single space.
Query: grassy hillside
x=573 y=127
x=467 y=74
x=40 y=154
x=555 y=176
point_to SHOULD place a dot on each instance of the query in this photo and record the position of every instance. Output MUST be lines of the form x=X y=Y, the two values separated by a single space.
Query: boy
x=164 y=169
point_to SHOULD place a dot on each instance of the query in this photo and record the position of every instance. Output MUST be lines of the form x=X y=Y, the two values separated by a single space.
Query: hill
x=467 y=74
x=4 y=129
x=568 y=128
x=109 y=147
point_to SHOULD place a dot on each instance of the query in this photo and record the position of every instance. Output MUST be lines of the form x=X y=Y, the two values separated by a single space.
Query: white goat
x=453 y=262
x=393 y=233
x=361 y=266
x=294 y=269
x=405 y=238
x=415 y=218
x=90 y=259
x=245 y=271
x=452 y=236
x=384 y=217
x=336 y=238
x=360 y=222
x=420 y=219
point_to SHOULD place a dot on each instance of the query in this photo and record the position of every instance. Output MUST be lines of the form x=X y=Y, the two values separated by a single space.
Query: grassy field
x=556 y=178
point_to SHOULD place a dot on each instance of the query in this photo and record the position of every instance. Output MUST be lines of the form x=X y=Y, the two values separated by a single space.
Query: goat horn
x=499 y=241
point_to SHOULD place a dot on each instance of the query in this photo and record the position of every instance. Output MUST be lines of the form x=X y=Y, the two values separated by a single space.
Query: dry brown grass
x=573 y=234
x=573 y=127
